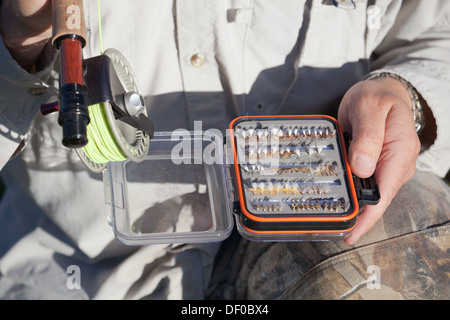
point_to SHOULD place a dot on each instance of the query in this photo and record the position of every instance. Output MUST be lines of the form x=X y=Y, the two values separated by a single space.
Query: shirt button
x=198 y=60
x=37 y=91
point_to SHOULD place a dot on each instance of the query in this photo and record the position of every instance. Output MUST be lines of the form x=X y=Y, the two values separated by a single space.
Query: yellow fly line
x=102 y=146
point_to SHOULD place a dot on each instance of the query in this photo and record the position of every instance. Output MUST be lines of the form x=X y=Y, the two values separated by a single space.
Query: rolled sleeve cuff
x=21 y=95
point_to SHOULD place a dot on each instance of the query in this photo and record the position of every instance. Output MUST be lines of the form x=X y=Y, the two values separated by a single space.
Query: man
x=213 y=61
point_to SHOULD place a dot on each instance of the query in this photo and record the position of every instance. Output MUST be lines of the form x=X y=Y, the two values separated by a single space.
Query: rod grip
x=68 y=20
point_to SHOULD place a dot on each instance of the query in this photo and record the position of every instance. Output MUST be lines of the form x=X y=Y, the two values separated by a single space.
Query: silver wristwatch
x=419 y=118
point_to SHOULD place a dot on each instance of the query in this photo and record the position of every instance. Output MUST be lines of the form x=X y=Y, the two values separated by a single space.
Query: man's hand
x=26 y=26
x=378 y=115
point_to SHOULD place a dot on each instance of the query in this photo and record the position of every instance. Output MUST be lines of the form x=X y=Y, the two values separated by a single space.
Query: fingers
x=389 y=187
x=366 y=221
x=388 y=184
x=384 y=142
x=34 y=15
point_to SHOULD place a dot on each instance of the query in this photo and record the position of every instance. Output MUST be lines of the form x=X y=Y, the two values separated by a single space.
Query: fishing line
x=100 y=26
x=102 y=146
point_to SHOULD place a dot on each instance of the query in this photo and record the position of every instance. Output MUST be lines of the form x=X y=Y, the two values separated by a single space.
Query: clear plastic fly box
x=177 y=194
x=278 y=178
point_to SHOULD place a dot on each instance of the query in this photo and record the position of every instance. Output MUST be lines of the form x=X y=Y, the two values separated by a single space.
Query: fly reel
x=101 y=110
x=119 y=127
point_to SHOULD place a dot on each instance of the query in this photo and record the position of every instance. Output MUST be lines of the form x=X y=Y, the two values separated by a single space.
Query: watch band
x=419 y=118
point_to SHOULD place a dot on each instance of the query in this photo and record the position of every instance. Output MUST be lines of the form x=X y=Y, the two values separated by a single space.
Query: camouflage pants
x=405 y=256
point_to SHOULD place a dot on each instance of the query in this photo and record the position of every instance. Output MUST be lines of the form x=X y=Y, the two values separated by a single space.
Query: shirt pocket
x=335 y=35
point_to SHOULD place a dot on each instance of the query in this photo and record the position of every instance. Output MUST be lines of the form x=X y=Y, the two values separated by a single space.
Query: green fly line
x=102 y=146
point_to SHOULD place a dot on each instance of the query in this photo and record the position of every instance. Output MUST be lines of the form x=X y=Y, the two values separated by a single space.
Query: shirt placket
x=196 y=41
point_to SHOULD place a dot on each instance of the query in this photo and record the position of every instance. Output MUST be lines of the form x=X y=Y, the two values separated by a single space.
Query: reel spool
x=125 y=140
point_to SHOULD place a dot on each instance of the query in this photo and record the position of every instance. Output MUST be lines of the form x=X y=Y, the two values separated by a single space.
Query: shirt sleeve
x=417 y=48
x=21 y=95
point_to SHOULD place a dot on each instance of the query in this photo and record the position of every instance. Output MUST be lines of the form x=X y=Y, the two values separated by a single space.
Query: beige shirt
x=198 y=60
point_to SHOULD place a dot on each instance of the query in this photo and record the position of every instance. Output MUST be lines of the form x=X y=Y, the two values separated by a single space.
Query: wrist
x=413 y=97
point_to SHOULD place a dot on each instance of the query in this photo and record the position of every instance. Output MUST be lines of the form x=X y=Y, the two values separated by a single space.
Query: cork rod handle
x=68 y=20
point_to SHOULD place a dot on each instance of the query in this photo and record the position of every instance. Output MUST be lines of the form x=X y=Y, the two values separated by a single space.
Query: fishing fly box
x=176 y=194
x=277 y=178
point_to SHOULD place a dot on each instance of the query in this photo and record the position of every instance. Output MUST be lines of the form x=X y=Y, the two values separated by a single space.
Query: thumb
x=366 y=146
x=365 y=121
x=363 y=115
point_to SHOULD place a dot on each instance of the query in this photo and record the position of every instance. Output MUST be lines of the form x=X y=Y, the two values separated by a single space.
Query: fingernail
x=364 y=165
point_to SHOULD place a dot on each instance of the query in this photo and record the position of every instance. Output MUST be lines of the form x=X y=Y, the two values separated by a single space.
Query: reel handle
x=69 y=36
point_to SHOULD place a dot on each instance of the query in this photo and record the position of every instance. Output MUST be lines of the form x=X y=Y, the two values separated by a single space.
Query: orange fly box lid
x=294 y=180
